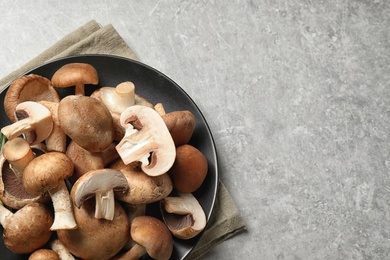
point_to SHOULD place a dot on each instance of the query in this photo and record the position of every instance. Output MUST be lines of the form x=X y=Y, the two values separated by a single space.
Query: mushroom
x=147 y=140
x=189 y=169
x=152 y=237
x=44 y=254
x=183 y=215
x=117 y=99
x=96 y=238
x=34 y=121
x=30 y=87
x=47 y=173
x=75 y=74
x=100 y=184
x=86 y=121
x=16 y=155
x=143 y=189
x=27 y=229
x=57 y=246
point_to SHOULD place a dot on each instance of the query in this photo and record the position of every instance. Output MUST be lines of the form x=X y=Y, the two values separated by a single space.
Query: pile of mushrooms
x=78 y=172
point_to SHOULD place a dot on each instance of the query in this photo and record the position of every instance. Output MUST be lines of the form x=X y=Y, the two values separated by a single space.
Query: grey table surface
x=297 y=97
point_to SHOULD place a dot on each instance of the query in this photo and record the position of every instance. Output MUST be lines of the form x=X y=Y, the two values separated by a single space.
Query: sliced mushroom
x=47 y=173
x=147 y=140
x=30 y=87
x=44 y=254
x=86 y=121
x=75 y=74
x=189 y=169
x=183 y=215
x=33 y=120
x=27 y=229
x=16 y=155
x=143 y=189
x=96 y=238
x=100 y=184
x=152 y=237
x=57 y=246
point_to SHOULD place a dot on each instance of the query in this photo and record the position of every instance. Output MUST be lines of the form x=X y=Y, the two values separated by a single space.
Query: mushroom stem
x=130 y=152
x=79 y=89
x=159 y=107
x=17 y=128
x=134 y=253
x=61 y=250
x=4 y=214
x=105 y=205
x=126 y=93
x=18 y=153
x=63 y=212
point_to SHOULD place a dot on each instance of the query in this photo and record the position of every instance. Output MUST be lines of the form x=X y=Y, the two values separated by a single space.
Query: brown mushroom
x=27 y=229
x=143 y=189
x=86 y=121
x=189 y=169
x=183 y=215
x=33 y=120
x=75 y=74
x=96 y=238
x=44 y=254
x=16 y=155
x=30 y=87
x=100 y=184
x=147 y=140
x=47 y=173
x=152 y=237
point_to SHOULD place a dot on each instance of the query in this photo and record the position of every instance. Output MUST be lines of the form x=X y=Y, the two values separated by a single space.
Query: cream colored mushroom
x=147 y=140
x=57 y=246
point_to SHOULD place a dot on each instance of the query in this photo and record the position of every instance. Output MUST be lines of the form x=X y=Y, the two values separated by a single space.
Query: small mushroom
x=147 y=140
x=100 y=184
x=33 y=120
x=27 y=229
x=30 y=87
x=47 y=173
x=44 y=254
x=16 y=155
x=152 y=237
x=75 y=74
x=189 y=169
x=86 y=121
x=96 y=238
x=143 y=189
x=57 y=246
x=183 y=215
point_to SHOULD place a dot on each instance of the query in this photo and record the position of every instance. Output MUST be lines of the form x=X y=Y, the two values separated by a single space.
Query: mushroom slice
x=152 y=237
x=143 y=189
x=47 y=173
x=147 y=140
x=75 y=74
x=27 y=229
x=16 y=155
x=101 y=184
x=183 y=215
x=34 y=121
x=30 y=87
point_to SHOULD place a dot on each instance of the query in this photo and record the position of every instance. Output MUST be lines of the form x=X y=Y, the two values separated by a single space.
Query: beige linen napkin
x=91 y=38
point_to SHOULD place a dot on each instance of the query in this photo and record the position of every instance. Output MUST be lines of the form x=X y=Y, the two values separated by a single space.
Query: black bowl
x=156 y=87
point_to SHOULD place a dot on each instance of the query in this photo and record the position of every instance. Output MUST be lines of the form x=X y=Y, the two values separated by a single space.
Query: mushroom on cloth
x=77 y=75
x=26 y=230
x=47 y=173
x=147 y=140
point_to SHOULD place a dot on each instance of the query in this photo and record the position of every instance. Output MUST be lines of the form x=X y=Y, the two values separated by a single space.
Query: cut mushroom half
x=183 y=215
x=100 y=184
x=33 y=120
x=147 y=140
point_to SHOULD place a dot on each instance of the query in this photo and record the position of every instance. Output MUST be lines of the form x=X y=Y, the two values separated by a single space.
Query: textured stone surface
x=296 y=94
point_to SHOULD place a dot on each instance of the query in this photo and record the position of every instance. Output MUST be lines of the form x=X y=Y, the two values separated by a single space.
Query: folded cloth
x=91 y=38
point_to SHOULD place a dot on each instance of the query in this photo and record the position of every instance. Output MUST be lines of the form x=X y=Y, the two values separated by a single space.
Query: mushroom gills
x=178 y=221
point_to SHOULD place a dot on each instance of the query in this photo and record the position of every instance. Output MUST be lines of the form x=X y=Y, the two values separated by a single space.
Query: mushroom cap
x=86 y=121
x=44 y=254
x=96 y=238
x=28 y=229
x=30 y=87
x=72 y=74
x=46 y=171
x=189 y=169
x=153 y=235
x=181 y=125
x=143 y=189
